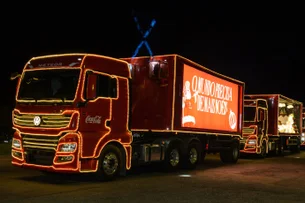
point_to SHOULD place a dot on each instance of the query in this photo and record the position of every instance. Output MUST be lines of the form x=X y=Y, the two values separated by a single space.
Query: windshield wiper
x=63 y=99
x=28 y=98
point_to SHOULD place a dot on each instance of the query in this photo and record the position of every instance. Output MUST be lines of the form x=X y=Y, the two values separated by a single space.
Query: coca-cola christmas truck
x=272 y=124
x=89 y=113
x=303 y=130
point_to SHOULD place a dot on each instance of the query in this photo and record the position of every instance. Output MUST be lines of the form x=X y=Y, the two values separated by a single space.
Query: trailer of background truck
x=272 y=124
x=303 y=130
x=90 y=113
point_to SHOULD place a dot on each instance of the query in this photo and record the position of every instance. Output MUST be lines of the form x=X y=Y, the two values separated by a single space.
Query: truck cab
x=71 y=115
x=272 y=124
x=255 y=129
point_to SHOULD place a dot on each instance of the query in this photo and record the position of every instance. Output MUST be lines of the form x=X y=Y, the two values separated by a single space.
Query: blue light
x=144 y=35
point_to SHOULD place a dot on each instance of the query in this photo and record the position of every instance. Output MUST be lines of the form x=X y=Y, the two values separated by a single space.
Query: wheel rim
x=110 y=163
x=174 y=157
x=193 y=156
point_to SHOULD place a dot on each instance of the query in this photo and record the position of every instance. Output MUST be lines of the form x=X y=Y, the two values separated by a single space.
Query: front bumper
x=46 y=152
x=46 y=160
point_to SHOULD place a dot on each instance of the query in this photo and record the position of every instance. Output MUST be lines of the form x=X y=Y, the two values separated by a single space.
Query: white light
x=252 y=142
x=68 y=147
x=130 y=67
x=185 y=176
x=16 y=143
x=289 y=106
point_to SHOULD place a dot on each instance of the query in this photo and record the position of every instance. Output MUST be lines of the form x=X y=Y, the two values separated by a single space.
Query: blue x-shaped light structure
x=144 y=35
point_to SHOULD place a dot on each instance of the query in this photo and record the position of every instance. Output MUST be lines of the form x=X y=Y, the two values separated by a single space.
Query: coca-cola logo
x=232 y=120
x=93 y=119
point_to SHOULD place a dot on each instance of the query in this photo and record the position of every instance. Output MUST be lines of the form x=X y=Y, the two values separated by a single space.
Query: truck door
x=100 y=90
x=107 y=110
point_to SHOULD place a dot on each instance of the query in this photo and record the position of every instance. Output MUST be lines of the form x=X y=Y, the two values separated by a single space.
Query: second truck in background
x=272 y=124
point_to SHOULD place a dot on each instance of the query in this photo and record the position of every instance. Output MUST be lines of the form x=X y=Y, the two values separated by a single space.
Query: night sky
x=258 y=43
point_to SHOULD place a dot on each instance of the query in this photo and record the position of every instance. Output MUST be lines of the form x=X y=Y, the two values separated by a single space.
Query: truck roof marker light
x=144 y=36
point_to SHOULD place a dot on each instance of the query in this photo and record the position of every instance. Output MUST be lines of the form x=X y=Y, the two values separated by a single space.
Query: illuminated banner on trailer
x=208 y=102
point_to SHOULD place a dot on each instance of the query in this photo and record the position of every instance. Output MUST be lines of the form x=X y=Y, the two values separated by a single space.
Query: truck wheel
x=172 y=157
x=192 y=157
x=231 y=155
x=109 y=163
x=263 y=150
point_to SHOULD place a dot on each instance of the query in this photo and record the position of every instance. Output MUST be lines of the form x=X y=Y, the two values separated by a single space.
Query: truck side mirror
x=15 y=75
x=90 y=89
x=154 y=69
x=159 y=70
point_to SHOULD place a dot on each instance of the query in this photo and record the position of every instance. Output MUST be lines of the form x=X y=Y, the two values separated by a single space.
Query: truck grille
x=40 y=149
x=247 y=130
x=47 y=121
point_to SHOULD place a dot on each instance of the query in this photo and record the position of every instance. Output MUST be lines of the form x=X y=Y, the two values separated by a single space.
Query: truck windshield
x=55 y=84
x=249 y=113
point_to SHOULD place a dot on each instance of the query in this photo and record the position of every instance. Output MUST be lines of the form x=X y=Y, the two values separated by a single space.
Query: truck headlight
x=16 y=143
x=251 y=142
x=303 y=138
x=67 y=147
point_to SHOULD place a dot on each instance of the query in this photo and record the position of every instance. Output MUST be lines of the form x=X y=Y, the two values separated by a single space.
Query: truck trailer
x=81 y=113
x=272 y=124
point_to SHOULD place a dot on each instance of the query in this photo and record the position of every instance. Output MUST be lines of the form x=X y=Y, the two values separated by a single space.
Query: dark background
x=260 y=43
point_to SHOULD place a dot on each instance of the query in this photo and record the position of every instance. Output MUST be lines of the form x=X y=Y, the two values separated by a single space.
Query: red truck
x=303 y=129
x=90 y=113
x=272 y=124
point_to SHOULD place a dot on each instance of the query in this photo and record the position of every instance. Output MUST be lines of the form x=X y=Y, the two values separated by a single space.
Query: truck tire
x=192 y=156
x=172 y=160
x=109 y=163
x=230 y=156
